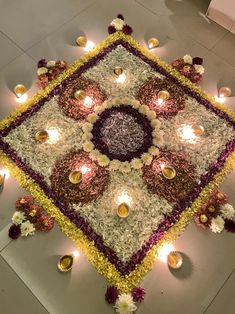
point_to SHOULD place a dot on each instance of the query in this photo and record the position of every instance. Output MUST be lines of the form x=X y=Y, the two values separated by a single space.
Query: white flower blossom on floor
x=125 y=304
x=18 y=217
x=27 y=228
x=227 y=211
x=217 y=224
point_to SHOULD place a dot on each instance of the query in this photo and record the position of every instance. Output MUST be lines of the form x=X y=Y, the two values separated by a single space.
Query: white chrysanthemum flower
x=114 y=164
x=136 y=163
x=92 y=117
x=125 y=304
x=118 y=24
x=155 y=123
x=88 y=146
x=227 y=211
x=125 y=167
x=87 y=127
x=99 y=109
x=136 y=104
x=217 y=224
x=151 y=115
x=199 y=68
x=188 y=59
x=27 y=228
x=42 y=71
x=95 y=154
x=103 y=160
x=18 y=217
x=147 y=158
x=153 y=151
x=51 y=64
x=87 y=136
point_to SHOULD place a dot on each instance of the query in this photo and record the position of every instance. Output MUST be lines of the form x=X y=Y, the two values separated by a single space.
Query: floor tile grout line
x=211 y=302
x=55 y=30
x=11 y=40
x=23 y=283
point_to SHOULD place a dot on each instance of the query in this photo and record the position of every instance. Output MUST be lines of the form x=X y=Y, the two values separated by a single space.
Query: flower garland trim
x=95 y=257
x=136 y=163
x=101 y=263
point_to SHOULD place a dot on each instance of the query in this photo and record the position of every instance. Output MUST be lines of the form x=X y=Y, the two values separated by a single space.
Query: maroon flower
x=127 y=29
x=111 y=29
x=34 y=212
x=45 y=223
x=198 y=61
x=138 y=294
x=120 y=16
x=23 y=202
x=14 y=232
x=42 y=63
x=229 y=225
x=111 y=294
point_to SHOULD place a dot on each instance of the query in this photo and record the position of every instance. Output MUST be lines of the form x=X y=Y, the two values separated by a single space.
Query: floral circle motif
x=148 y=92
x=122 y=134
x=80 y=109
x=175 y=189
x=94 y=178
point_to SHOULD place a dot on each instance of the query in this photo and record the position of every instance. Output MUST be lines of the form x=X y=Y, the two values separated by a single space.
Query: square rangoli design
x=122 y=150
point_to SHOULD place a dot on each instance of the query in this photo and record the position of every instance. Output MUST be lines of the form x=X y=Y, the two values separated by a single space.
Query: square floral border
x=210 y=181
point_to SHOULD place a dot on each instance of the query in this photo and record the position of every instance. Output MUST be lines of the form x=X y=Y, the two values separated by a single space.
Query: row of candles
x=166 y=254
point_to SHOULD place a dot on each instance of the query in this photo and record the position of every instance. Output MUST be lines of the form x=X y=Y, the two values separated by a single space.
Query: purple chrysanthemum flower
x=111 y=29
x=42 y=63
x=229 y=225
x=111 y=294
x=138 y=294
x=120 y=16
x=198 y=60
x=127 y=29
x=14 y=232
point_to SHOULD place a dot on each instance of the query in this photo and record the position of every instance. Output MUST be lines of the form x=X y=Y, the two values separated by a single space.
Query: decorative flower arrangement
x=124 y=303
x=49 y=70
x=110 y=122
x=118 y=24
x=28 y=218
x=190 y=67
x=216 y=214
x=122 y=176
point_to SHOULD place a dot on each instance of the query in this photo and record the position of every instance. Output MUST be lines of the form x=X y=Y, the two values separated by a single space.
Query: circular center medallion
x=122 y=133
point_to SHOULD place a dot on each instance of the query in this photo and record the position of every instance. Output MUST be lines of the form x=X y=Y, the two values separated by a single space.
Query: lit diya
x=117 y=70
x=80 y=94
x=168 y=172
x=75 y=177
x=65 y=263
x=174 y=260
x=81 y=41
x=123 y=210
x=198 y=129
x=153 y=43
x=163 y=94
x=225 y=92
x=19 y=90
x=42 y=136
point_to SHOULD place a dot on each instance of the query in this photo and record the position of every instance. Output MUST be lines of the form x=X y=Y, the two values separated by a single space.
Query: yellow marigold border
x=97 y=259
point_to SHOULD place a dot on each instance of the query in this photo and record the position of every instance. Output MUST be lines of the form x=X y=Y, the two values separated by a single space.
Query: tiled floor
x=29 y=281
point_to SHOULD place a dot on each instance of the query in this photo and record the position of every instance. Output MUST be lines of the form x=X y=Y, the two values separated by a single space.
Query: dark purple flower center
x=122 y=133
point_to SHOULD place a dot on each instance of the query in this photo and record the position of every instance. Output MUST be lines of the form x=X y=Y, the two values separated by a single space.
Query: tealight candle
x=20 y=90
x=117 y=70
x=153 y=43
x=174 y=260
x=75 y=177
x=42 y=136
x=163 y=94
x=168 y=172
x=121 y=78
x=81 y=41
x=80 y=94
x=198 y=129
x=225 y=92
x=65 y=263
x=123 y=210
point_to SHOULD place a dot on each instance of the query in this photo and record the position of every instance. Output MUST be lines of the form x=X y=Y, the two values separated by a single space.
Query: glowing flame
x=22 y=98
x=54 y=135
x=124 y=197
x=121 y=78
x=89 y=45
x=187 y=134
x=76 y=254
x=164 y=251
x=5 y=172
x=87 y=102
x=84 y=169
x=220 y=98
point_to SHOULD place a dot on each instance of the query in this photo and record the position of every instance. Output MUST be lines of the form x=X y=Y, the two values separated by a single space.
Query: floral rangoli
x=122 y=151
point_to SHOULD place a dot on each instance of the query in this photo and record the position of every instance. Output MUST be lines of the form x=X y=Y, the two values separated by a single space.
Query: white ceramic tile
x=26 y=22
x=34 y=260
x=4 y=239
x=15 y=297
x=9 y=51
x=228 y=53
x=21 y=70
x=176 y=7
x=224 y=301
